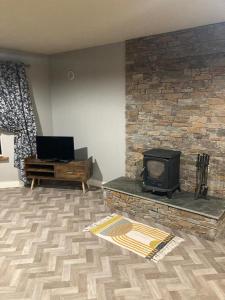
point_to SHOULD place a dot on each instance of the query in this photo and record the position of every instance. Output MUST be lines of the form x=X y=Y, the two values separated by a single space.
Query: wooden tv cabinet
x=75 y=170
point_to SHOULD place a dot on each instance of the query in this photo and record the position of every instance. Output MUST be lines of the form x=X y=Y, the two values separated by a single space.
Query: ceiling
x=52 y=26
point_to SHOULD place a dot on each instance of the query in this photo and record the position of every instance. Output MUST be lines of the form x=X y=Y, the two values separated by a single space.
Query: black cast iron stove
x=161 y=171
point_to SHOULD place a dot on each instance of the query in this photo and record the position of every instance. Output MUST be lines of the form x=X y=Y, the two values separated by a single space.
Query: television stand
x=74 y=170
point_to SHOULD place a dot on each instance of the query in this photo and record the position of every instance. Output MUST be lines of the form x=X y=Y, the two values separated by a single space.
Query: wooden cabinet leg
x=32 y=184
x=83 y=187
x=39 y=181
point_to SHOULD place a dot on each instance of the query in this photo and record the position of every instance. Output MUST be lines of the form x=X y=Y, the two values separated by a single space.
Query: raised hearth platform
x=205 y=217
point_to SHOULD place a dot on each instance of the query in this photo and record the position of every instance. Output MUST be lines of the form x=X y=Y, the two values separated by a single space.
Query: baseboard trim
x=95 y=182
x=10 y=184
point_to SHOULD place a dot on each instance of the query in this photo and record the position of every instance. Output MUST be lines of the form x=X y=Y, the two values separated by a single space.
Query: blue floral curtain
x=16 y=112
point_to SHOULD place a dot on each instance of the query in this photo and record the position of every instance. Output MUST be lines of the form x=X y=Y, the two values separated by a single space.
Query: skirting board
x=10 y=184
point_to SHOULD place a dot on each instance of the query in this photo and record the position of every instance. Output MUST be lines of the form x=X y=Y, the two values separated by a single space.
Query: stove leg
x=169 y=195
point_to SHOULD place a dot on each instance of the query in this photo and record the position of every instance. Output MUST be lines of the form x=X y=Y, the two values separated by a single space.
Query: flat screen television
x=55 y=148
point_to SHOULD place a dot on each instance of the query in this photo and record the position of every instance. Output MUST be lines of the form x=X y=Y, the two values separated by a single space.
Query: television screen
x=56 y=148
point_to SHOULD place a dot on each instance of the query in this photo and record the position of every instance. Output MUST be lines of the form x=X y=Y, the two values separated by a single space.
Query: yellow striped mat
x=146 y=241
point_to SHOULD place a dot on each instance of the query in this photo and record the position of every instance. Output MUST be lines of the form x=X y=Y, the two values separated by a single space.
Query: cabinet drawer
x=69 y=172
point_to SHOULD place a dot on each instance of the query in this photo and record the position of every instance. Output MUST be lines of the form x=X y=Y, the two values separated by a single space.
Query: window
x=2 y=158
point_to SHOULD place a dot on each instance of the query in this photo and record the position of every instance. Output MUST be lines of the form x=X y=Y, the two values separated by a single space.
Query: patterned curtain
x=16 y=112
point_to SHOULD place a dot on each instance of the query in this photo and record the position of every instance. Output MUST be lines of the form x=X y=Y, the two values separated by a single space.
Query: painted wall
x=92 y=106
x=38 y=74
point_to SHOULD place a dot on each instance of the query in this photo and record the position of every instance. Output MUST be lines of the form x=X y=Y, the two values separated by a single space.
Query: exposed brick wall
x=175 y=98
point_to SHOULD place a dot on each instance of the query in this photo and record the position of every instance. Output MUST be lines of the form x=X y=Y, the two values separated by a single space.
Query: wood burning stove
x=161 y=171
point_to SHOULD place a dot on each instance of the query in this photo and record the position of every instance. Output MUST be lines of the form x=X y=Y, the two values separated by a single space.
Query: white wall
x=92 y=107
x=38 y=74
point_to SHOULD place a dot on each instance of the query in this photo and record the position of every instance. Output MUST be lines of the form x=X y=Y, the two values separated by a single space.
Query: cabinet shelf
x=44 y=170
x=39 y=176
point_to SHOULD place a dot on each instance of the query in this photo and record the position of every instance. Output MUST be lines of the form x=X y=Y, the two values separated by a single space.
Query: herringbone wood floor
x=45 y=255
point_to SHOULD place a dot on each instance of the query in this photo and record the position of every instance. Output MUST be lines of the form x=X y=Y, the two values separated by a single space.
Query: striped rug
x=146 y=241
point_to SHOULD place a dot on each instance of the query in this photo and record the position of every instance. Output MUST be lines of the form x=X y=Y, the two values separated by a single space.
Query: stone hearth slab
x=205 y=217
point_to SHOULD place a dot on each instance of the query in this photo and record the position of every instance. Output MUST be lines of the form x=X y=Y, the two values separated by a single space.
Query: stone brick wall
x=175 y=98
x=154 y=212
